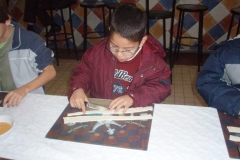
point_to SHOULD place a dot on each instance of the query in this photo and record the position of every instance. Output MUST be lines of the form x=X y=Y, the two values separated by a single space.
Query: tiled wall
x=216 y=19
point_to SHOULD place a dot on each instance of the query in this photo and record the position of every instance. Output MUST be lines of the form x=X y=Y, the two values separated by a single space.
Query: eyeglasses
x=126 y=53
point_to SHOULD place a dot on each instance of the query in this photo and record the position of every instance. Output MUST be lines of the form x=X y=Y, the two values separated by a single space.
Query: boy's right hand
x=13 y=98
x=77 y=100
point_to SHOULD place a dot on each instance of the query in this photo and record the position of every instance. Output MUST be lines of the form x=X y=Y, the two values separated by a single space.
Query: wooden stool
x=163 y=14
x=87 y=5
x=234 y=11
x=60 y=36
x=190 y=8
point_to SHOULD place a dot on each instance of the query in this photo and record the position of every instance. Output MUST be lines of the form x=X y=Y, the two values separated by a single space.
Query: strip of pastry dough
x=233 y=129
x=130 y=110
x=104 y=118
x=234 y=138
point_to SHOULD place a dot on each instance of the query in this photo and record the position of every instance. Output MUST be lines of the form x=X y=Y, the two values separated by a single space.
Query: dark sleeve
x=216 y=92
x=45 y=56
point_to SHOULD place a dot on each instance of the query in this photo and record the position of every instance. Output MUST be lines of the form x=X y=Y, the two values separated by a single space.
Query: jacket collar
x=153 y=46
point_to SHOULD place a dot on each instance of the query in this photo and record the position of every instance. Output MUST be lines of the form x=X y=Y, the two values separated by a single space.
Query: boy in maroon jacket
x=128 y=66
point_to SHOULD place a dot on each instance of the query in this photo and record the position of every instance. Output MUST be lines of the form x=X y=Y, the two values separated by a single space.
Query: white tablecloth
x=178 y=132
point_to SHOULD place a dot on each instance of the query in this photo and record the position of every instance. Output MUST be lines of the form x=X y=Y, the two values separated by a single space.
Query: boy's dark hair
x=129 y=22
x=3 y=11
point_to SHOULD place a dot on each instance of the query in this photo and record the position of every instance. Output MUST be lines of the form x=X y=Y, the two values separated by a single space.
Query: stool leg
x=72 y=34
x=238 y=26
x=64 y=29
x=85 y=30
x=164 y=34
x=200 y=41
x=181 y=28
x=47 y=41
x=170 y=47
x=170 y=44
x=54 y=39
x=180 y=31
x=230 y=26
x=178 y=35
x=104 y=26
x=147 y=13
x=110 y=16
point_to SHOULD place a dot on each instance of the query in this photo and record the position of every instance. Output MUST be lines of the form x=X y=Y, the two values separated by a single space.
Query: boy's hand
x=77 y=100
x=14 y=97
x=121 y=102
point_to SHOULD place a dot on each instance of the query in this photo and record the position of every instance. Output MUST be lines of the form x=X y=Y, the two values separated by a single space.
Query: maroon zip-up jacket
x=151 y=83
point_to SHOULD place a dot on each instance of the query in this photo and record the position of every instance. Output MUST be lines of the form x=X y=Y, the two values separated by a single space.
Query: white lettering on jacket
x=121 y=74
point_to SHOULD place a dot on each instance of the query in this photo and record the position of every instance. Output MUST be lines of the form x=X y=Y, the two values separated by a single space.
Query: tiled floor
x=183 y=86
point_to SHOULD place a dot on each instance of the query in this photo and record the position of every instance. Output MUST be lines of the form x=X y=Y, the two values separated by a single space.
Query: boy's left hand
x=121 y=102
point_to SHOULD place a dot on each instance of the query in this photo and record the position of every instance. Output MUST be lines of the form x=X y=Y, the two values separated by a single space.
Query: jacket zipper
x=113 y=76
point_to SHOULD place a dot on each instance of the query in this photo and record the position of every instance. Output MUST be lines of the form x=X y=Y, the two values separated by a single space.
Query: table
x=178 y=132
x=227 y=120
